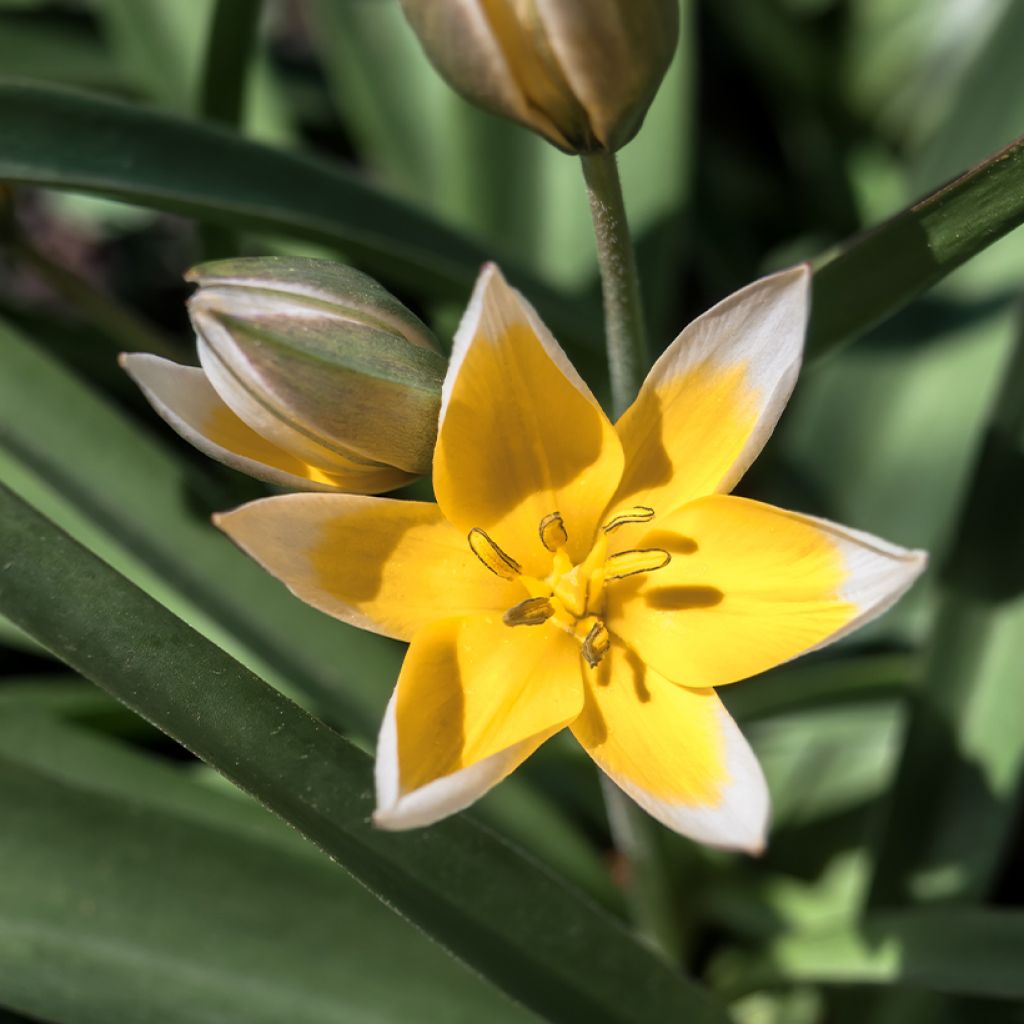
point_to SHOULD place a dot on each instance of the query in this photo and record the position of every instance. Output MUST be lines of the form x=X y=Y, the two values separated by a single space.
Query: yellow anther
x=552 y=532
x=492 y=556
x=629 y=563
x=595 y=643
x=636 y=514
x=534 y=611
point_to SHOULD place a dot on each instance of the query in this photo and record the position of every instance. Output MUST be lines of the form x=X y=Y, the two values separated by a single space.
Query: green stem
x=620 y=285
x=222 y=90
x=650 y=891
x=636 y=836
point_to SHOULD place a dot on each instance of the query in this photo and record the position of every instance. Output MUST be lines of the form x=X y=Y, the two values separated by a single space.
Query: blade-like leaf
x=516 y=925
x=968 y=952
x=129 y=499
x=964 y=744
x=75 y=141
x=130 y=892
x=872 y=276
x=126 y=498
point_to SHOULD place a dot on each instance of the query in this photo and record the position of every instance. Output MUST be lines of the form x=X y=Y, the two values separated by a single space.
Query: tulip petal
x=520 y=436
x=750 y=586
x=712 y=400
x=185 y=399
x=677 y=752
x=384 y=565
x=475 y=698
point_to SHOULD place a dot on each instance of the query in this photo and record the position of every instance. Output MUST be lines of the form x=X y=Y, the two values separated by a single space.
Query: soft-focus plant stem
x=649 y=886
x=233 y=29
x=620 y=286
x=649 y=889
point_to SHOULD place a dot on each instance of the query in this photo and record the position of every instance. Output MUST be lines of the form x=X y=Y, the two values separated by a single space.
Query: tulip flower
x=312 y=376
x=582 y=73
x=584 y=575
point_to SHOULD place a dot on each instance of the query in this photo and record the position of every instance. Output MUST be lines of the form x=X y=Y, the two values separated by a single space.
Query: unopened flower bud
x=312 y=375
x=582 y=73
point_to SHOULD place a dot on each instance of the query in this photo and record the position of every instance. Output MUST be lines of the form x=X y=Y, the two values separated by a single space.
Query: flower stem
x=620 y=285
x=649 y=889
x=650 y=892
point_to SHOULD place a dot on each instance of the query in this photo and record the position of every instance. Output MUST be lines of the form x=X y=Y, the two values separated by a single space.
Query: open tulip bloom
x=583 y=574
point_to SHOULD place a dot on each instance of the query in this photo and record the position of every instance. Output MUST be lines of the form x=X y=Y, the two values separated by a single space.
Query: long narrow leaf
x=877 y=273
x=501 y=914
x=104 y=480
x=966 y=952
x=100 y=843
x=964 y=746
x=71 y=140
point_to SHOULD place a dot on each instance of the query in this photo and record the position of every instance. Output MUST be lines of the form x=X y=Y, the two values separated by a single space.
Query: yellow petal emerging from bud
x=582 y=73
x=320 y=360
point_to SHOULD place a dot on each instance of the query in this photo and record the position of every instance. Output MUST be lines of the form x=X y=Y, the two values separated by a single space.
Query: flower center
x=571 y=596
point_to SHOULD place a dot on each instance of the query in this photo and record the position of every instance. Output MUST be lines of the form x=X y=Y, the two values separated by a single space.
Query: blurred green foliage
x=133 y=888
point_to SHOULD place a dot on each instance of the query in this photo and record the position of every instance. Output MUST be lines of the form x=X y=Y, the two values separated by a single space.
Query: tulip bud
x=319 y=359
x=312 y=377
x=582 y=73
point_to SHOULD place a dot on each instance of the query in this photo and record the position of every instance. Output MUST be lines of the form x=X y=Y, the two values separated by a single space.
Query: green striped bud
x=582 y=73
x=320 y=360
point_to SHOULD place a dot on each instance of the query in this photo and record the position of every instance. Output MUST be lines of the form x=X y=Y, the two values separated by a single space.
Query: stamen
x=629 y=563
x=534 y=611
x=595 y=645
x=636 y=514
x=552 y=532
x=492 y=556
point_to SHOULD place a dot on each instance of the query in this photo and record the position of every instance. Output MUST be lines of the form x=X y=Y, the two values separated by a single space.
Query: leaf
x=967 y=952
x=124 y=495
x=157 y=45
x=964 y=743
x=127 y=498
x=70 y=140
x=830 y=682
x=822 y=761
x=872 y=276
x=130 y=892
x=40 y=45
x=516 y=925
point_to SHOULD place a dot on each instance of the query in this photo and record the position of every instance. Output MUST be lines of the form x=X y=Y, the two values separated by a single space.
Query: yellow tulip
x=580 y=574
x=582 y=73
x=312 y=376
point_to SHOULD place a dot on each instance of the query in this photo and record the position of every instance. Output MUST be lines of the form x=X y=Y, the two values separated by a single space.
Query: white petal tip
x=388 y=821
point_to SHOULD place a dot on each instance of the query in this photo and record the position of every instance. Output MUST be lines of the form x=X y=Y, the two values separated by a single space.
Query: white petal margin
x=186 y=400
x=397 y=811
x=495 y=305
x=740 y=818
x=762 y=326
x=879 y=573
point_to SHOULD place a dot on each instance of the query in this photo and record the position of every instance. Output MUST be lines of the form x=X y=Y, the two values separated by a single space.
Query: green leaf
x=872 y=276
x=516 y=925
x=964 y=743
x=123 y=494
x=129 y=500
x=829 y=682
x=39 y=45
x=968 y=952
x=157 y=45
x=74 y=141
x=131 y=892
